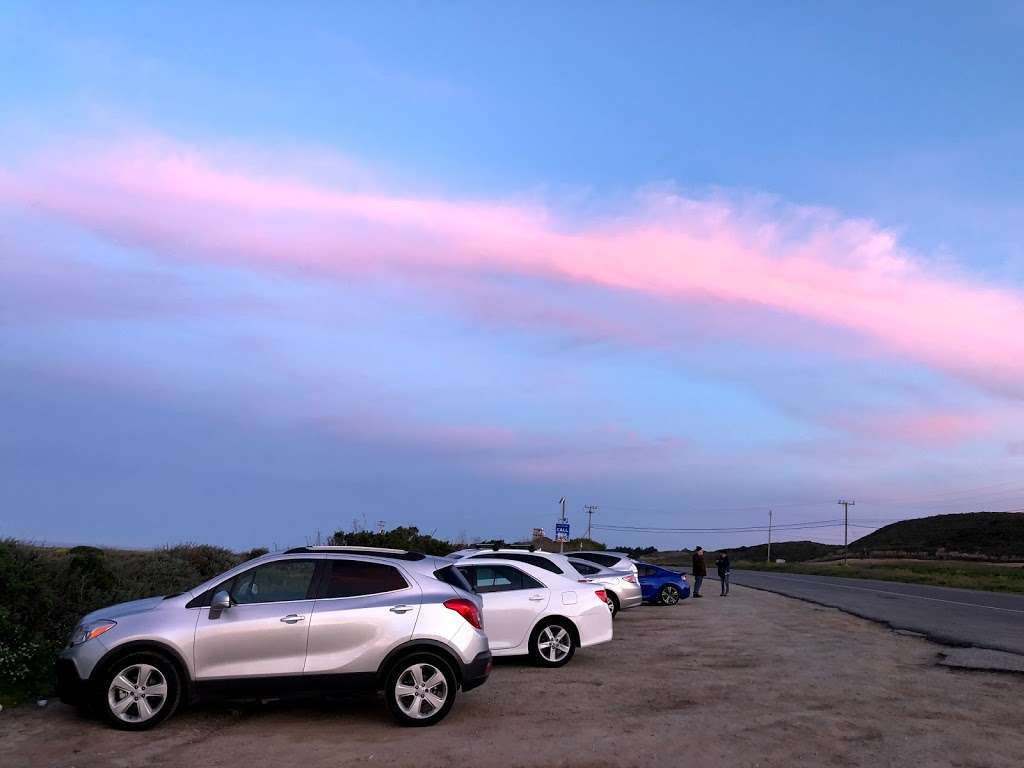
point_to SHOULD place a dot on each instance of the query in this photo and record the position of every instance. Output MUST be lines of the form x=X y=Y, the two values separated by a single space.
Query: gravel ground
x=754 y=679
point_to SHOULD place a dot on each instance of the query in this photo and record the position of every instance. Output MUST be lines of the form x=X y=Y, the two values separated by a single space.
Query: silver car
x=618 y=561
x=621 y=587
x=310 y=620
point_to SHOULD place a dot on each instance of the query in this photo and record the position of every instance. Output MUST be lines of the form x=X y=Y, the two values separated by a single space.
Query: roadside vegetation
x=939 y=573
x=47 y=589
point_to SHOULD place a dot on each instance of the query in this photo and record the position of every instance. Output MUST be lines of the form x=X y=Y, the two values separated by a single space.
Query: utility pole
x=769 y=536
x=846 y=526
x=590 y=509
x=561 y=543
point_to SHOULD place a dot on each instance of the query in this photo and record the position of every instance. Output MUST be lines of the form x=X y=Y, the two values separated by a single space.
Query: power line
x=729 y=529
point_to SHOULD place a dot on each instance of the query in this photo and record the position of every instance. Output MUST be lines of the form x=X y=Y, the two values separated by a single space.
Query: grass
x=939 y=573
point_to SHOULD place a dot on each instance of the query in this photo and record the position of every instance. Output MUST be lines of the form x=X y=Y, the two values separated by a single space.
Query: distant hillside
x=790 y=551
x=981 y=535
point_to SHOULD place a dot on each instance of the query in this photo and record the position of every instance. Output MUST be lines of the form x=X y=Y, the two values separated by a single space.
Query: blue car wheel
x=668 y=595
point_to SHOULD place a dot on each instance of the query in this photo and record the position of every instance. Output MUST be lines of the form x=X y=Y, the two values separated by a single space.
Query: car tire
x=420 y=690
x=669 y=595
x=613 y=603
x=552 y=644
x=137 y=691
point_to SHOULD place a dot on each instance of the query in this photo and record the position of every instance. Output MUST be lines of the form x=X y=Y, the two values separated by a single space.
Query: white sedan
x=530 y=610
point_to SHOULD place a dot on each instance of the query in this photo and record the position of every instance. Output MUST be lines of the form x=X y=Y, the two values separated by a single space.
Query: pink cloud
x=937 y=427
x=804 y=263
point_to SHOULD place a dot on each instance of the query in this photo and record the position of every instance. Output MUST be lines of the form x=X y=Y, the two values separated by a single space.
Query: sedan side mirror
x=221 y=602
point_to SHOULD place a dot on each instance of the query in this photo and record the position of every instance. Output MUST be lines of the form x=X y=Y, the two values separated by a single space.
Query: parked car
x=662 y=586
x=309 y=620
x=529 y=609
x=618 y=561
x=554 y=562
x=623 y=587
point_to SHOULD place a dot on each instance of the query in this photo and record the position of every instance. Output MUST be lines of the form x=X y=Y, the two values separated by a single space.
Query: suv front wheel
x=420 y=690
x=137 y=691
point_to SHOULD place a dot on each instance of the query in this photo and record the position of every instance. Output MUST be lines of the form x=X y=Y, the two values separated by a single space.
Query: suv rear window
x=605 y=560
x=537 y=560
x=351 y=578
x=453 y=576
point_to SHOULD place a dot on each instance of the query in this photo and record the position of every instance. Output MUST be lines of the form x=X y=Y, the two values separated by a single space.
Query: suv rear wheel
x=420 y=689
x=137 y=691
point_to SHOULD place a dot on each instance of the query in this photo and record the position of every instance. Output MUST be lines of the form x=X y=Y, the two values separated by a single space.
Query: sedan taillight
x=631 y=578
x=466 y=609
x=601 y=595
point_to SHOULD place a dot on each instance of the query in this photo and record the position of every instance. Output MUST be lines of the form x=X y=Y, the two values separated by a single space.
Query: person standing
x=700 y=570
x=723 y=572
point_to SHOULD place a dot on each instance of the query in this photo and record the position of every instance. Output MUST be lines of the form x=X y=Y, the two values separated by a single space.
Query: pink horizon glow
x=807 y=264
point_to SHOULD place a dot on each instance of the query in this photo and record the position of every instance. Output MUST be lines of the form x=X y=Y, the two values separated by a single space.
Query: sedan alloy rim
x=421 y=691
x=554 y=643
x=137 y=693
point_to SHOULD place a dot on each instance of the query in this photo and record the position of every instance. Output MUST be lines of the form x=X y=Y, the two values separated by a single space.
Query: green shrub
x=47 y=590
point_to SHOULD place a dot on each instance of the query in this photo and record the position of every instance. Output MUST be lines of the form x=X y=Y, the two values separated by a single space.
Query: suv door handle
x=292 y=618
x=401 y=608
x=536 y=598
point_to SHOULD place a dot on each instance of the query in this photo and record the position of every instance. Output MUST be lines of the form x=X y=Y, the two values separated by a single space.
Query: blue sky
x=269 y=270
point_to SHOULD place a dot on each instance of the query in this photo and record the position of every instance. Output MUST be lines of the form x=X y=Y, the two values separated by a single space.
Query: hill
x=790 y=551
x=972 y=535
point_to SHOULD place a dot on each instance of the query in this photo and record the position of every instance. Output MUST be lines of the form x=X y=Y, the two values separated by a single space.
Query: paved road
x=952 y=616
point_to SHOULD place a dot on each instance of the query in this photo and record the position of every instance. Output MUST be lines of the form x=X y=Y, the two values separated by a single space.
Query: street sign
x=561 y=531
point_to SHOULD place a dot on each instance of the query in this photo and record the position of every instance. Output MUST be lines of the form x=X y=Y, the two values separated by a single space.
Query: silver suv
x=310 y=620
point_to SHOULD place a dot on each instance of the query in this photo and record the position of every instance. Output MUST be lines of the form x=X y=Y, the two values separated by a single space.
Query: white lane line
x=798 y=579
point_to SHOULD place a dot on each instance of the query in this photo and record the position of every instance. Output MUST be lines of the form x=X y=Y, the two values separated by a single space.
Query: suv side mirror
x=221 y=601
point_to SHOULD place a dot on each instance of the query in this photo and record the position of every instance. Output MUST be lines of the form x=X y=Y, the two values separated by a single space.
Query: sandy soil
x=752 y=680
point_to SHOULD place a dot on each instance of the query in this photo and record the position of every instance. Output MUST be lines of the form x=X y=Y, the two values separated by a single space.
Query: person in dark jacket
x=700 y=570
x=723 y=572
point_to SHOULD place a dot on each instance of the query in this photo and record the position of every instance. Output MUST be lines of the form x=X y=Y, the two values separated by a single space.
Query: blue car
x=660 y=585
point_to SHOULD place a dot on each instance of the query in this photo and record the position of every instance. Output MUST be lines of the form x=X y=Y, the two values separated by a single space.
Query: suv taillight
x=601 y=595
x=466 y=609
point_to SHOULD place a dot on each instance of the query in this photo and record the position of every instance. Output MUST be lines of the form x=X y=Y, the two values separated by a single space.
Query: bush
x=47 y=590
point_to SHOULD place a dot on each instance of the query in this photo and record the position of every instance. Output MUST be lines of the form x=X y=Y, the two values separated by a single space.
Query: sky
x=268 y=270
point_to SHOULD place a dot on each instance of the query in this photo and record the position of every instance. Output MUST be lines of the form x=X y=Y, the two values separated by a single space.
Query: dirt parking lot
x=751 y=680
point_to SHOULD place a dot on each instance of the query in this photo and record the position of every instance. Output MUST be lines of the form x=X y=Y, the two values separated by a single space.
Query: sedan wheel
x=669 y=595
x=613 y=604
x=553 y=645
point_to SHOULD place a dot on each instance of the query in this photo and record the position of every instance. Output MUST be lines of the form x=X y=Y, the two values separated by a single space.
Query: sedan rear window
x=605 y=560
x=522 y=557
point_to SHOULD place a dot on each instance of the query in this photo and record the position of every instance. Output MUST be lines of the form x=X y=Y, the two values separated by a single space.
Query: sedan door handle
x=292 y=618
x=536 y=598
x=401 y=608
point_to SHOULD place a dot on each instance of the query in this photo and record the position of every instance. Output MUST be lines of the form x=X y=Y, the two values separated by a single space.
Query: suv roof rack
x=394 y=554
